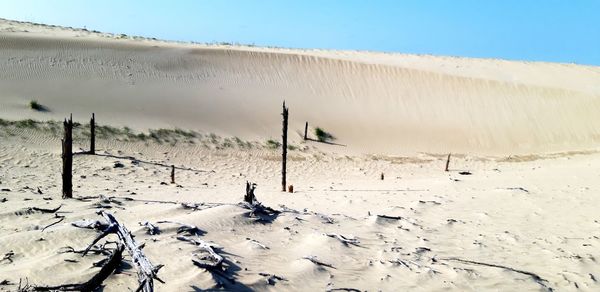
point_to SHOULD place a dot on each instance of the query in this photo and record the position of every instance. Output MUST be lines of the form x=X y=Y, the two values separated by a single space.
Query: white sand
x=536 y=212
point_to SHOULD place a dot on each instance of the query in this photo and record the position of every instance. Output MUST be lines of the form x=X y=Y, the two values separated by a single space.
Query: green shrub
x=36 y=106
x=323 y=136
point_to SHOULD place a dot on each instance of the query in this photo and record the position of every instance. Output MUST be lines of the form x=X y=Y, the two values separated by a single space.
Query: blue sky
x=537 y=30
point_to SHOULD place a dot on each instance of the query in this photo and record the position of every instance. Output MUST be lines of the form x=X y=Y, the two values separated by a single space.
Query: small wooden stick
x=172 y=174
x=447 y=163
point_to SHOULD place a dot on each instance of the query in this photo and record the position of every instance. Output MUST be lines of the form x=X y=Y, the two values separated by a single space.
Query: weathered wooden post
x=172 y=174
x=447 y=163
x=284 y=147
x=93 y=134
x=67 y=157
x=306 y=131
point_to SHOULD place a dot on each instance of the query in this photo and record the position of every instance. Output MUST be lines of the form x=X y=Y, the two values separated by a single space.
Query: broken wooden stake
x=306 y=131
x=256 y=208
x=447 y=163
x=284 y=147
x=67 y=158
x=382 y=176
x=249 y=197
x=93 y=134
x=172 y=174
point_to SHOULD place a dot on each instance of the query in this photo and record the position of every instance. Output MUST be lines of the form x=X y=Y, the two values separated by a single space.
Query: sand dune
x=372 y=102
x=525 y=222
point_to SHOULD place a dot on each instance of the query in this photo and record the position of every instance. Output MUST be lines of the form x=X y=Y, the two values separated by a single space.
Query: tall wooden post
x=172 y=174
x=67 y=157
x=305 y=131
x=93 y=134
x=284 y=147
x=447 y=163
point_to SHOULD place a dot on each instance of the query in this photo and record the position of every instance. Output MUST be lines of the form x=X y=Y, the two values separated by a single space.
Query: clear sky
x=537 y=30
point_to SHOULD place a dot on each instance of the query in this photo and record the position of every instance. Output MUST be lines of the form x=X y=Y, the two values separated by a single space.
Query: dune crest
x=372 y=102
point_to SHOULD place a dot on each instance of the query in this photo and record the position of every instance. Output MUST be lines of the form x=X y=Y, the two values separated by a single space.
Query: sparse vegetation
x=323 y=136
x=160 y=136
x=29 y=123
x=273 y=144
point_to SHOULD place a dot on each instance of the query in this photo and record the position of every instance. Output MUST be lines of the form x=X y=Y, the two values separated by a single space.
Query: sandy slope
x=372 y=102
x=532 y=213
x=535 y=216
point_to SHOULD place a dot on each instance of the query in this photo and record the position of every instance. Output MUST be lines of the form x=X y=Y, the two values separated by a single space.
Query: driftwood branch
x=390 y=217
x=145 y=269
x=210 y=260
x=188 y=229
x=317 y=262
x=541 y=281
x=345 y=240
x=90 y=224
x=8 y=256
x=114 y=260
x=257 y=243
x=272 y=279
x=60 y=219
x=150 y=228
x=44 y=210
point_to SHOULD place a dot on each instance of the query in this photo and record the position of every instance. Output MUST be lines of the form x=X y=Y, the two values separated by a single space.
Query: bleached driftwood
x=90 y=224
x=345 y=240
x=145 y=270
x=210 y=260
x=326 y=219
x=114 y=260
x=94 y=250
x=257 y=243
x=184 y=228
